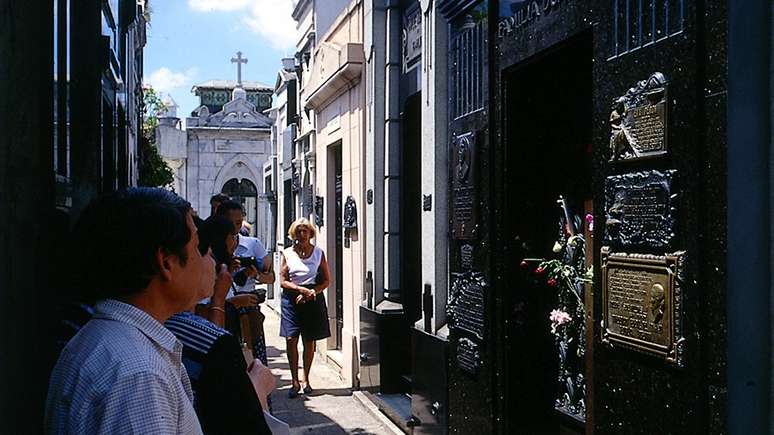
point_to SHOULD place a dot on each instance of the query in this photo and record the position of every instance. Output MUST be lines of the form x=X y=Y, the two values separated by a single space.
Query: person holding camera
x=257 y=265
x=230 y=392
x=253 y=264
x=304 y=275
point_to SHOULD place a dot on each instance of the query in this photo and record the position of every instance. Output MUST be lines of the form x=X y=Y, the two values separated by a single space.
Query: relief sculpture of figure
x=620 y=138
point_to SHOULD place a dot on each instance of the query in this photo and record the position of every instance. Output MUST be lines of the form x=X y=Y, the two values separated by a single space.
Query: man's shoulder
x=104 y=343
x=253 y=243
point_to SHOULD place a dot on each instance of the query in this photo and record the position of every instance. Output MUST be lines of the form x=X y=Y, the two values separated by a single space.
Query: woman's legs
x=309 y=348
x=292 y=348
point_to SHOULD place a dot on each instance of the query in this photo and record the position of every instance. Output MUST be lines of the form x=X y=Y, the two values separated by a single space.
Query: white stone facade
x=233 y=144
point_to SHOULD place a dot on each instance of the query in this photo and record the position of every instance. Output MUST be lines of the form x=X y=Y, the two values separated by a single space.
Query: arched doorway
x=247 y=194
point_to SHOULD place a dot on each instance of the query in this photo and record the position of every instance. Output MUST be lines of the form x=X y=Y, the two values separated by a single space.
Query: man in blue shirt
x=248 y=247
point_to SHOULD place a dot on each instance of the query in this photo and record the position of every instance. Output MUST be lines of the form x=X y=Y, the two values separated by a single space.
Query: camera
x=248 y=261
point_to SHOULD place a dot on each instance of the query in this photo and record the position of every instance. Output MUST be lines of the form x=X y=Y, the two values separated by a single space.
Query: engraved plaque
x=466 y=257
x=640 y=209
x=466 y=306
x=468 y=356
x=638 y=121
x=464 y=202
x=240 y=146
x=642 y=303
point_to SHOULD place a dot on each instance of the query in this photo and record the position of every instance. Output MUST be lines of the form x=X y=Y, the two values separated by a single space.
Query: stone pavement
x=330 y=409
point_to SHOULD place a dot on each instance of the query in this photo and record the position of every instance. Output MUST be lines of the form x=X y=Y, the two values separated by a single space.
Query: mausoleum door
x=547 y=158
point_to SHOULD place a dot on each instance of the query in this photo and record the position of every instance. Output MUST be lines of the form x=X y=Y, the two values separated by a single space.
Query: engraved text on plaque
x=638 y=121
x=640 y=209
x=642 y=303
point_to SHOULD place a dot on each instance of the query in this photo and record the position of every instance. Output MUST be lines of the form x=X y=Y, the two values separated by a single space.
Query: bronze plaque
x=642 y=303
x=640 y=209
x=466 y=307
x=464 y=201
x=638 y=121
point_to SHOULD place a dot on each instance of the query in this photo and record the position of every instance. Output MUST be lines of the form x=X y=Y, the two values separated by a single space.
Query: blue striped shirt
x=122 y=373
x=197 y=335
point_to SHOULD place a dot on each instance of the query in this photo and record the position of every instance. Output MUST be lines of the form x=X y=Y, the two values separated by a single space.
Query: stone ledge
x=372 y=409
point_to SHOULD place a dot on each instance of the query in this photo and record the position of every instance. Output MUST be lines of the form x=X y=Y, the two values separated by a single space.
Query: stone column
x=373 y=81
x=392 y=70
x=435 y=182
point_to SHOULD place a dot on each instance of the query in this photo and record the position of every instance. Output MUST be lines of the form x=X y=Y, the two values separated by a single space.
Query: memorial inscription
x=638 y=121
x=464 y=216
x=468 y=356
x=640 y=209
x=465 y=309
x=642 y=303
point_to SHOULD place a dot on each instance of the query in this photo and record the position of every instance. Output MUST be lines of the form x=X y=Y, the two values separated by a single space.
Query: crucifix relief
x=239 y=60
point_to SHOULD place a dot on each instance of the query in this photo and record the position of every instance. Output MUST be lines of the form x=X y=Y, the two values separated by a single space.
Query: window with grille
x=641 y=23
x=467 y=62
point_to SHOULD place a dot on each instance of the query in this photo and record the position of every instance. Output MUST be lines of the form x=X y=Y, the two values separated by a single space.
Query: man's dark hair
x=117 y=237
x=220 y=197
x=212 y=234
x=229 y=205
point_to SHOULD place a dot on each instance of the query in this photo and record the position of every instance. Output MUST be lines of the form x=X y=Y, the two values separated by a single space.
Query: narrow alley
x=332 y=408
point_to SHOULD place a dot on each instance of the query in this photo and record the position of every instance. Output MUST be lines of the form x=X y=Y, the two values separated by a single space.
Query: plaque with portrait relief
x=642 y=303
x=464 y=195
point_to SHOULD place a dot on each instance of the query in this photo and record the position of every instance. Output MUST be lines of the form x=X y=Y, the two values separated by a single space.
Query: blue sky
x=192 y=41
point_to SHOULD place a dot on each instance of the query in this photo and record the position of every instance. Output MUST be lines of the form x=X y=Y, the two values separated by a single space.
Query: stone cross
x=239 y=60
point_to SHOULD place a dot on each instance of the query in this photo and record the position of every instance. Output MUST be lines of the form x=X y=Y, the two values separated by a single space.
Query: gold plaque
x=642 y=303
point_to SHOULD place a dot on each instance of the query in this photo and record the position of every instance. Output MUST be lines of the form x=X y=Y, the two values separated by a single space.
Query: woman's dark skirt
x=308 y=319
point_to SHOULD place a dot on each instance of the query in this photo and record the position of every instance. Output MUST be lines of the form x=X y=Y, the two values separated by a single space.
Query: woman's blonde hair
x=301 y=222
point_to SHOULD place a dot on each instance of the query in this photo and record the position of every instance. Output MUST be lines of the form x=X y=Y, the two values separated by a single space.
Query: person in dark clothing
x=226 y=390
x=225 y=398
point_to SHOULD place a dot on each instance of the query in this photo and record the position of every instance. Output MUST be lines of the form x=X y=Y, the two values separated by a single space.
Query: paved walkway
x=330 y=409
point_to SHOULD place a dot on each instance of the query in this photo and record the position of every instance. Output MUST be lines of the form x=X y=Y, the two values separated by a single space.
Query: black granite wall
x=628 y=392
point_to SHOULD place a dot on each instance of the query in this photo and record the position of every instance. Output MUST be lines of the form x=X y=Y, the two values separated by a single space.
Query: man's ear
x=163 y=264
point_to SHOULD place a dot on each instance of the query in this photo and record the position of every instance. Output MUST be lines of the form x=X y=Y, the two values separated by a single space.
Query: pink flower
x=558 y=318
x=552 y=282
x=590 y=222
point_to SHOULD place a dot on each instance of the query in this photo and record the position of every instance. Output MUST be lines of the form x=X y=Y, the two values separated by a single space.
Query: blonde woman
x=303 y=277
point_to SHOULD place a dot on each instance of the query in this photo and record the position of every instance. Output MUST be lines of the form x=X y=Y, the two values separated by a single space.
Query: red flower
x=524 y=264
x=552 y=282
x=540 y=271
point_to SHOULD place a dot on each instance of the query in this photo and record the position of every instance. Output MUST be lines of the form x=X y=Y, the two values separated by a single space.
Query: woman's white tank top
x=303 y=270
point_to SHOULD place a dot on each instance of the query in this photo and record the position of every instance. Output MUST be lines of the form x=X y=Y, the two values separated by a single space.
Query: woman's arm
x=287 y=284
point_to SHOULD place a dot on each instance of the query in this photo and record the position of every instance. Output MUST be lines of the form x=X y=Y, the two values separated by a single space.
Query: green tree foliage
x=153 y=171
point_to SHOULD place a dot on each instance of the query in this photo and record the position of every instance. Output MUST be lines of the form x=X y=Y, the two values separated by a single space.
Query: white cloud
x=218 y=5
x=273 y=20
x=165 y=80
